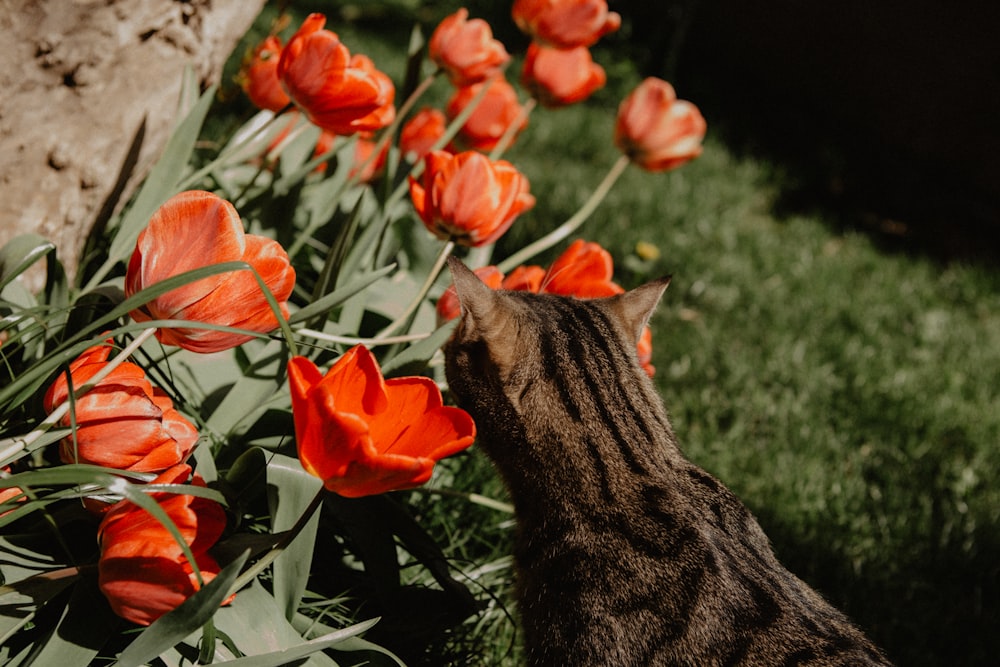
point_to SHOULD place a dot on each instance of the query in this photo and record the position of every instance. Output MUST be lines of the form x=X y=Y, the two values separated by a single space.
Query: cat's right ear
x=475 y=297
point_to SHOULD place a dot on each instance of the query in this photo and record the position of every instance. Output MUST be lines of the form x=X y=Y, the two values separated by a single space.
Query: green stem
x=424 y=289
x=571 y=225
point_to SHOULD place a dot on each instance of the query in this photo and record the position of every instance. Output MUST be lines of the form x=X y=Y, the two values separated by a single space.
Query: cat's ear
x=475 y=297
x=636 y=306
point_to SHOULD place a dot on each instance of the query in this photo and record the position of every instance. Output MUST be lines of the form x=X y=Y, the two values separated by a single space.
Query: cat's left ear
x=475 y=297
x=636 y=306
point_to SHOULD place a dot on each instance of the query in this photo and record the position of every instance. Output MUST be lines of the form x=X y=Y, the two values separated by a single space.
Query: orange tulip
x=557 y=77
x=336 y=92
x=565 y=23
x=195 y=229
x=465 y=50
x=142 y=570
x=259 y=76
x=495 y=112
x=421 y=132
x=656 y=130
x=364 y=435
x=123 y=422
x=469 y=198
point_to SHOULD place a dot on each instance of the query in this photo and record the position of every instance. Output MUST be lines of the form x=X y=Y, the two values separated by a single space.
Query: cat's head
x=524 y=345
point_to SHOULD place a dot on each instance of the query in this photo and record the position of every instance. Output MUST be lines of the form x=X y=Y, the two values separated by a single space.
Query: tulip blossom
x=259 y=76
x=362 y=434
x=421 y=132
x=565 y=23
x=465 y=49
x=468 y=198
x=497 y=110
x=558 y=77
x=656 y=130
x=195 y=229
x=337 y=92
x=123 y=422
x=584 y=270
x=142 y=570
x=364 y=158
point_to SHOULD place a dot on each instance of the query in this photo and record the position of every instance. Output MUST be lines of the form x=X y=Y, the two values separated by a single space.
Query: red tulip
x=583 y=270
x=466 y=50
x=421 y=132
x=123 y=422
x=469 y=198
x=259 y=76
x=494 y=113
x=337 y=92
x=142 y=570
x=362 y=434
x=557 y=77
x=656 y=130
x=565 y=23
x=195 y=229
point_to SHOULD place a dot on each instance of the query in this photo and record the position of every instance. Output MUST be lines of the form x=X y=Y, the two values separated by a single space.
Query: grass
x=847 y=393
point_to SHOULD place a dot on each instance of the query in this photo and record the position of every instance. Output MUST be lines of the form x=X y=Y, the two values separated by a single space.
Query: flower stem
x=16 y=445
x=571 y=225
x=421 y=294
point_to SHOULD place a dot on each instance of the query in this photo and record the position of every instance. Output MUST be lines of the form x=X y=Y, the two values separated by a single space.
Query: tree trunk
x=90 y=92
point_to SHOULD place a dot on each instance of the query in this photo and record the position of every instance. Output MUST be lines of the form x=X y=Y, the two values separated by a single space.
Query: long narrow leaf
x=304 y=650
x=20 y=253
x=174 y=626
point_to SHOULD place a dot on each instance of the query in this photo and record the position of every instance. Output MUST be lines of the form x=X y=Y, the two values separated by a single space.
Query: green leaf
x=304 y=650
x=419 y=353
x=20 y=253
x=187 y=618
x=85 y=626
x=160 y=184
x=290 y=491
x=245 y=399
x=19 y=601
x=340 y=295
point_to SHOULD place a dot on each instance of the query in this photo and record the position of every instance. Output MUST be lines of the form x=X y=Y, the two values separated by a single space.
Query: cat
x=626 y=553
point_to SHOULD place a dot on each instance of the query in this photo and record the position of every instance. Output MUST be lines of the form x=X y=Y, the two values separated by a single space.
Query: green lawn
x=846 y=393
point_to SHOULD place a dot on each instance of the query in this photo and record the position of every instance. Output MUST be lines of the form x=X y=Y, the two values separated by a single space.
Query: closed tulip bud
x=656 y=130
x=565 y=23
x=558 y=77
x=468 y=198
x=465 y=49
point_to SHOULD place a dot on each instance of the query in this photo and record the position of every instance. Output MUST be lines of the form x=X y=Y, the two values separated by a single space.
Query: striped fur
x=627 y=554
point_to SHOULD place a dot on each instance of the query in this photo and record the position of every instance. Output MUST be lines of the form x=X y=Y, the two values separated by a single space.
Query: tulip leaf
x=18 y=254
x=340 y=295
x=420 y=352
x=305 y=649
x=20 y=600
x=291 y=492
x=86 y=624
x=160 y=184
x=244 y=400
x=187 y=618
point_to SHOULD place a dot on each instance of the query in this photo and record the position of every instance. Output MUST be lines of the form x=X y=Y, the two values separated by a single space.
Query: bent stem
x=571 y=225
x=421 y=294
x=279 y=547
x=19 y=444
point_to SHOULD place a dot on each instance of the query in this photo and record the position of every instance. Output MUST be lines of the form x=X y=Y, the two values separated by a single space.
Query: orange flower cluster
x=125 y=423
x=584 y=270
x=362 y=434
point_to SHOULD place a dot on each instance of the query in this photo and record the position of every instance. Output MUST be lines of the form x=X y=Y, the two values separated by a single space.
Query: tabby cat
x=626 y=554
